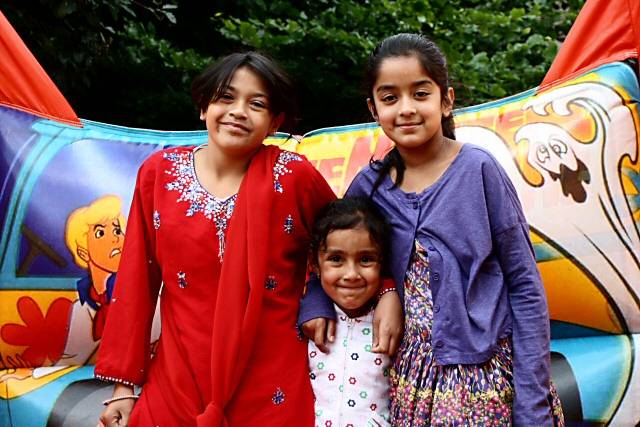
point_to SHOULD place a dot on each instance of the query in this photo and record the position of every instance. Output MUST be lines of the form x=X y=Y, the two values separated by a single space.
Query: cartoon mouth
x=572 y=181
x=114 y=252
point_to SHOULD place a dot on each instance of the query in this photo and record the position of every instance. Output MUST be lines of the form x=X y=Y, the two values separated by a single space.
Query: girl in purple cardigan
x=476 y=344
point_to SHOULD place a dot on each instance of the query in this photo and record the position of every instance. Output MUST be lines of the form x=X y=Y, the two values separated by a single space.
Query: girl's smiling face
x=241 y=118
x=349 y=266
x=408 y=104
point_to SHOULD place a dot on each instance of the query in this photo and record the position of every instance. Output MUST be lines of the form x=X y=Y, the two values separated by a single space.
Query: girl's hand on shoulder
x=388 y=324
x=320 y=330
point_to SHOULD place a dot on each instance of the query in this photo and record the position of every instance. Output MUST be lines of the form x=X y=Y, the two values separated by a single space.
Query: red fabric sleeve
x=388 y=284
x=313 y=192
x=125 y=351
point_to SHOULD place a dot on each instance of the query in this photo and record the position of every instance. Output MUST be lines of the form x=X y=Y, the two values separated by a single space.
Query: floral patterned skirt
x=426 y=394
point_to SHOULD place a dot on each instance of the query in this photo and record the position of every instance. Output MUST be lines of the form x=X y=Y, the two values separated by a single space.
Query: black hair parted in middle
x=435 y=65
x=347 y=214
x=209 y=85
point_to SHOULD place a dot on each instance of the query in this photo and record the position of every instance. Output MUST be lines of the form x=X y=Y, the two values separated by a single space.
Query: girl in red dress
x=224 y=228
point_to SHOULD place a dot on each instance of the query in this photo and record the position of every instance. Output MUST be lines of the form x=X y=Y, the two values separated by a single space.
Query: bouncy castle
x=570 y=147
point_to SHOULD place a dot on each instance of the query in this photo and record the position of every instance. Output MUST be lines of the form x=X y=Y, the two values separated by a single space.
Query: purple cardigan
x=484 y=278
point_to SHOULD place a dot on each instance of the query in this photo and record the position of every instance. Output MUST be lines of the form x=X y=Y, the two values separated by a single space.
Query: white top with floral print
x=351 y=384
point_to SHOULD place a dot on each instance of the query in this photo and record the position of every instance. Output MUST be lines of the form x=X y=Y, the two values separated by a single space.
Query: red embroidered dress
x=229 y=353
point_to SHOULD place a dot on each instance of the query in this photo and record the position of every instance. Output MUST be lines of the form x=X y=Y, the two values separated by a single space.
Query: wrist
x=384 y=292
x=388 y=285
x=120 y=397
x=122 y=389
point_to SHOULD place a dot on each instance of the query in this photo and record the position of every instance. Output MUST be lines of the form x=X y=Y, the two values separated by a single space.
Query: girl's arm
x=124 y=351
x=388 y=322
x=317 y=317
x=530 y=335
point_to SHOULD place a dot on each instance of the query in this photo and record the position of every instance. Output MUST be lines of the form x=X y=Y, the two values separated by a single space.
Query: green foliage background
x=130 y=62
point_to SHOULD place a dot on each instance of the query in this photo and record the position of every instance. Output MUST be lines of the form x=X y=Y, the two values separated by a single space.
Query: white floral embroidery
x=280 y=168
x=200 y=200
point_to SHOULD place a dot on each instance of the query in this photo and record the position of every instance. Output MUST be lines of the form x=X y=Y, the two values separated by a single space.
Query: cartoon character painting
x=94 y=235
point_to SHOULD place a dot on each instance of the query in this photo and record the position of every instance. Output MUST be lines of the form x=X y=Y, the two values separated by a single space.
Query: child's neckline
x=390 y=184
x=341 y=311
x=192 y=156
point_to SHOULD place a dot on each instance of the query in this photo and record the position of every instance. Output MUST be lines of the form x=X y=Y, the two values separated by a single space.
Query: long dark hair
x=434 y=63
x=209 y=86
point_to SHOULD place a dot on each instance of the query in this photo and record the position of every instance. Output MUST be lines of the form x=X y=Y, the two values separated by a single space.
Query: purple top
x=485 y=282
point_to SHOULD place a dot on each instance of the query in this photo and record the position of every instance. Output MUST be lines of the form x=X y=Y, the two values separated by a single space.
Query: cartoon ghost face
x=553 y=152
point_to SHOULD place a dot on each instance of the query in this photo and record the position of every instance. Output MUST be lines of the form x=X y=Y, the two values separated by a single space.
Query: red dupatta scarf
x=241 y=285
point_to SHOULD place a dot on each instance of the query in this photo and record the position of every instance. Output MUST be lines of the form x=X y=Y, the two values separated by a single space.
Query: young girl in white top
x=350 y=382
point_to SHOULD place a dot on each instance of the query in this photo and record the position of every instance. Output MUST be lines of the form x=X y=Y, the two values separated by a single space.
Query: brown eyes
x=365 y=260
x=259 y=105
x=256 y=105
x=389 y=98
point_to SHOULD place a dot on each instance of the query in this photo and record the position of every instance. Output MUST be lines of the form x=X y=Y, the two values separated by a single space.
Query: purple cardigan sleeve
x=531 y=364
x=315 y=303
x=530 y=336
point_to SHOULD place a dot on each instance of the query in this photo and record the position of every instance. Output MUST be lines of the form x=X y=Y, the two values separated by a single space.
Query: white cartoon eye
x=542 y=153
x=558 y=147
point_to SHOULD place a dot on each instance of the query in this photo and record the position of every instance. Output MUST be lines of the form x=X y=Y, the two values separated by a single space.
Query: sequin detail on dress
x=280 y=168
x=156 y=220
x=115 y=380
x=278 y=397
x=182 y=279
x=200 y=200
x=288 y=224
x=270 y=283
x=222 y=211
